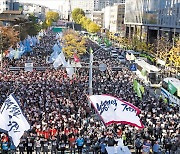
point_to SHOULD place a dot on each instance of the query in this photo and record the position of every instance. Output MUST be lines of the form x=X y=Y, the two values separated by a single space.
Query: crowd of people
x=61 y=118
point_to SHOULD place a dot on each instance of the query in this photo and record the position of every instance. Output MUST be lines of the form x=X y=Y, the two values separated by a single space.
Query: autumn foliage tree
x=73 y=43
x=174 y=55
x=51 y=17
x=9 y=37
x=79 y=17
x=77 y=13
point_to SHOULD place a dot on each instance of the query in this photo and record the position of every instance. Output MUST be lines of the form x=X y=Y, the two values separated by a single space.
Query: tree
x=33 y=27
x=44 y=25
x=174 y=55
x=83 y=22
x=9 y=37
x=87 y=23
x=48 y=22
x=75 y=14
x=79 y=18
x=73 y=43
x=51 y=17
x=163 y=47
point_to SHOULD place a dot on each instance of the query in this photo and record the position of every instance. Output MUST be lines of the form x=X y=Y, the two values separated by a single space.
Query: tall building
x=117 y=18
x=107 y=16
x=150 y=19
x=8 y=5
x=114 y=18
x=100 y=4
x=97 y=17
x=86 y=5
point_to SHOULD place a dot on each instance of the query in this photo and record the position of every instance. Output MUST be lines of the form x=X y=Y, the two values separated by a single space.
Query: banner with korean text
x=12 y=119
x=114 y=110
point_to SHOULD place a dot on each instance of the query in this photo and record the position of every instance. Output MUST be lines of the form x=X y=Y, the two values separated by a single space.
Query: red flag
x=76 y=59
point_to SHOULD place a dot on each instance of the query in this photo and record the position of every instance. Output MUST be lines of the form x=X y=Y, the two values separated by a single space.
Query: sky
x=52 y=4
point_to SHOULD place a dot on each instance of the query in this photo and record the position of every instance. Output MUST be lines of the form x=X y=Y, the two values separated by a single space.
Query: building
x=87 y=5
x=8 y=5
x=100 y=4
x=12 y=17
x=98 y=17
x=107 y=15
x=150 y=19
x=114 y=18
x=38 y=10
x=117 y=12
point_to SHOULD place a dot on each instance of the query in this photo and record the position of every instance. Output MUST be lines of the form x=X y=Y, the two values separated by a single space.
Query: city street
x=89 y=77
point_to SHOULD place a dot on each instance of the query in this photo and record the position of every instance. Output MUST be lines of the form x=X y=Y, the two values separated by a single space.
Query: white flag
x=114 y=110
x=12 y=119
x=69 y=69
x=60 y=60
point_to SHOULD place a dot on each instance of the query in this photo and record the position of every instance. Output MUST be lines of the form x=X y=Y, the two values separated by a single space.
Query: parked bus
x=150 y=74
x=166 y=90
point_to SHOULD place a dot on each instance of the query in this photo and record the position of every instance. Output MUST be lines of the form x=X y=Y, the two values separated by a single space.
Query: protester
x=80 y=143
x=138 y=145
x=58 y=111
x=156 y=148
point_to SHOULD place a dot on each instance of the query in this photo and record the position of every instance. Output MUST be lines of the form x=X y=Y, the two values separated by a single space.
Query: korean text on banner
x=13 y=120
x=114 y=110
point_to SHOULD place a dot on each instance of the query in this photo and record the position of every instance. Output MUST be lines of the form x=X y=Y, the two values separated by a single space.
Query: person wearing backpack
x=138 y=145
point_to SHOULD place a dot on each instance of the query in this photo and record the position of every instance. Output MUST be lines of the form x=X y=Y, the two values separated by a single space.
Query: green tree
x=44 y=25
x=75 y=13
x=33 y=27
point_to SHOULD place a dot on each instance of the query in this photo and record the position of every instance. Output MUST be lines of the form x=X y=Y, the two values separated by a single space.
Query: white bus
x=172 y=98
x=150 y=74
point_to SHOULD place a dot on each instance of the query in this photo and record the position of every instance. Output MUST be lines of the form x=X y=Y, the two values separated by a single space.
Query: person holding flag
x=12 y=119
x=113 y=110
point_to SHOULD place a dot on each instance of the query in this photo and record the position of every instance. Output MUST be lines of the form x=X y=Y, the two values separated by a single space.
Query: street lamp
x=91 y=73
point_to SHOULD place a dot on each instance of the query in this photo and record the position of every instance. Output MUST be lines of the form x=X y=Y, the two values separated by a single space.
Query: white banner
x=118 y=150
x=114 y=110
x=12 y=119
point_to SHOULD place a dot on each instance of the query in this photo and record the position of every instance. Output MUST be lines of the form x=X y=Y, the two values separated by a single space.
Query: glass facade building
x=164 y=13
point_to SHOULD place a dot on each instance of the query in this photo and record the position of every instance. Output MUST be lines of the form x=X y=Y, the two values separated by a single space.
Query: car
x=117 y=48
x=106 y=48
x=114 y=54
x=102 y=45
x=122 y=59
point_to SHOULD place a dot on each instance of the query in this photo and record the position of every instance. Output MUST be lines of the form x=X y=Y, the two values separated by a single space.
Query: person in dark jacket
x=29 y=146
